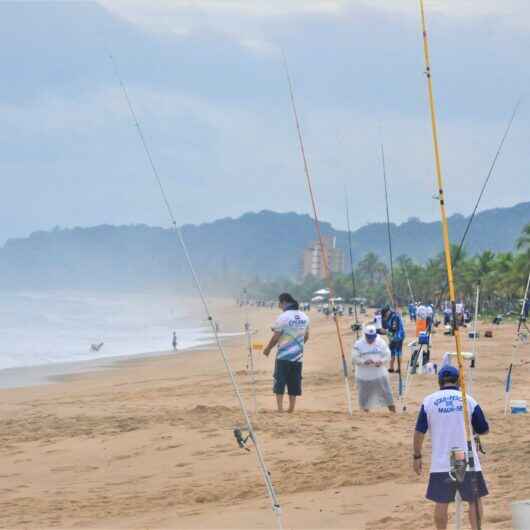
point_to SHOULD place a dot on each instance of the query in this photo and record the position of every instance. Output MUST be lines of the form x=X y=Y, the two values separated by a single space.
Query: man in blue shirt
x=441 y=413
x=394 y=329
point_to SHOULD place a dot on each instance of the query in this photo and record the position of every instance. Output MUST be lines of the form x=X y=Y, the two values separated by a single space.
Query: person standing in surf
x=290 y=333
x=174 y=341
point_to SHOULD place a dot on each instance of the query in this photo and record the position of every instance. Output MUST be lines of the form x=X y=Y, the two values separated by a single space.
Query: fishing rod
x=276 y=507
x=449 y=264
x=391 y=286
x=323 y=251
x=389 y=236
x=515 y=347
x=250 y=348
x=473 y=360
x=460 y=248
x=487 y=179
x=356 y=325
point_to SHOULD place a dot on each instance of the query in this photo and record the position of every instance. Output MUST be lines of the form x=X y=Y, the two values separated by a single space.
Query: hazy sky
x=207 y=82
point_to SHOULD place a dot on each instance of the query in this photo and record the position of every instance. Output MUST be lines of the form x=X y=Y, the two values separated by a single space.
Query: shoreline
x=53 y=373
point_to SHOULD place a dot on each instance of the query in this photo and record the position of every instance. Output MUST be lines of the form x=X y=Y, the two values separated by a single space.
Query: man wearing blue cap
x=442 y=414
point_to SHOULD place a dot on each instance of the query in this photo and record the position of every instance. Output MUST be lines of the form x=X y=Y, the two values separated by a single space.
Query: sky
x=208 y=86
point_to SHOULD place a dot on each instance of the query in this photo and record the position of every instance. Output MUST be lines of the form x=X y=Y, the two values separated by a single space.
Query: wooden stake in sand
x=213 y=324
x=448 y=262
x=323 y=251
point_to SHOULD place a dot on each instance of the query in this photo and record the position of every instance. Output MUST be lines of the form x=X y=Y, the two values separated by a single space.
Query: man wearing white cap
x=370 y=356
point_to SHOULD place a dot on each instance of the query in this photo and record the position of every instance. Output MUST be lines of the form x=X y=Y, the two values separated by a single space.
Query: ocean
x=48 y=328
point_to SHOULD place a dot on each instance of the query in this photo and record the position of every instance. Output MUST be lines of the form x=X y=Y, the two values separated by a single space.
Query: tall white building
x=313 y=263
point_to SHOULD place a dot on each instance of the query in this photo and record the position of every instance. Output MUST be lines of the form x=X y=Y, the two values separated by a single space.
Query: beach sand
x=148 y=443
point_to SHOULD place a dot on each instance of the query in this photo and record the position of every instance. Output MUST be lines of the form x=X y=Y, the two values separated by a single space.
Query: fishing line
x=323 y=251
x=251 y=434
x=389 y=236
x=357 y=325
x=449 y=264
x=486 y=181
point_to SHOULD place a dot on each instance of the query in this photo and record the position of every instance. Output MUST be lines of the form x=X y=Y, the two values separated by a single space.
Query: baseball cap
x=370 y=330
x=448 y=372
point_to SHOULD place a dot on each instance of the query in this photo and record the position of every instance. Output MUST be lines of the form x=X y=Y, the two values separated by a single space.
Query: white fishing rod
x=473 y=360
x=276 y=507
x=517 y=341
x=250 y=367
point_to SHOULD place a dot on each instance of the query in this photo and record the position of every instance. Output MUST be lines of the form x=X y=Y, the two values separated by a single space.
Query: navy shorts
x=396 y=348
x=287 y=374
x=443 y=489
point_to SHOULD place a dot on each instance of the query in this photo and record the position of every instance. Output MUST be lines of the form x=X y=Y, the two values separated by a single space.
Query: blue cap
x=448 y=372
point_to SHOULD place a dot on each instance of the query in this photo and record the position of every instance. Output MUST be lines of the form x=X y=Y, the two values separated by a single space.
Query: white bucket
x=518 y=406
x=521 y=515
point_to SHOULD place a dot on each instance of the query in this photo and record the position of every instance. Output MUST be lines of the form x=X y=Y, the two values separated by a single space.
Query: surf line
x=448 y=263
x=276 y=507
x=323 y=252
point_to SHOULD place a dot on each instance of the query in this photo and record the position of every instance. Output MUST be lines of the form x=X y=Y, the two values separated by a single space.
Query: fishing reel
x=458 y=462
x=356 y=327
x=241 y=440
x=478 y=443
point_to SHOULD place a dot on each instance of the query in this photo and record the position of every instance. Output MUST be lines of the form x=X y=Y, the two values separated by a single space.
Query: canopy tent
x=320 y=292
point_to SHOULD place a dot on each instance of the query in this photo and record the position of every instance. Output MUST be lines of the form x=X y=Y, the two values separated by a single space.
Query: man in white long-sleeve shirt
x=370 y=356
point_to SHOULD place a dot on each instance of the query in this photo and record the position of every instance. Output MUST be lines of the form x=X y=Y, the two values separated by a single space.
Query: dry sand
x=149 y=445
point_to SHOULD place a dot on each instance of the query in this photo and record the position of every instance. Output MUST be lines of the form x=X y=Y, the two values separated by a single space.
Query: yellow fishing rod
x=323 y=251
x=448 y=259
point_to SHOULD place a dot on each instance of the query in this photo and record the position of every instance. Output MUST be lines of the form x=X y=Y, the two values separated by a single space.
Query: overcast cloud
x=208 y=86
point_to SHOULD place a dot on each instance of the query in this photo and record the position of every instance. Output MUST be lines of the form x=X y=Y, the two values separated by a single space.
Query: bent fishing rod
x=356 y=325
x=276 y=507
x=323 y=251
x=448 y=262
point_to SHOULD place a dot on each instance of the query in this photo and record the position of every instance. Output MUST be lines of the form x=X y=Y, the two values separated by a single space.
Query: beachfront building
x=312 y=262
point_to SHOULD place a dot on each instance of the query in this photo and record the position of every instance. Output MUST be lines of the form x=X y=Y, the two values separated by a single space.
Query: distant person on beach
x=412 y=311
x=441 y=414
x=174 y=342
x=290 y=333
x=370 y=356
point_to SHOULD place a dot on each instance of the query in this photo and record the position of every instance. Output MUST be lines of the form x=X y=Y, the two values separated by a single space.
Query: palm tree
x=524 y=241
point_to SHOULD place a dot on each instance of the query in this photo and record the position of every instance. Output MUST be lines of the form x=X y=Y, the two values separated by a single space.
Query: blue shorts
x=396 y=349
x=443 y=489
x=287 y=374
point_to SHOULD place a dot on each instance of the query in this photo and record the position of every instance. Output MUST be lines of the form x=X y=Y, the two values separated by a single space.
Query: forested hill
x=265 y=244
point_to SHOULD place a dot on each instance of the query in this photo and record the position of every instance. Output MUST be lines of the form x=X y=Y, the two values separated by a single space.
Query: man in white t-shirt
x=370 y=357
x=442 y=414
x=290 y=333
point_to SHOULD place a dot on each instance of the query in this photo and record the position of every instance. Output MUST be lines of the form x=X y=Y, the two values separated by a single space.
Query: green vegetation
x=502 y=277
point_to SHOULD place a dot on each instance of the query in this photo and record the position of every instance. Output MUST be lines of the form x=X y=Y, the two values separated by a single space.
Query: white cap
x=370 y=330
